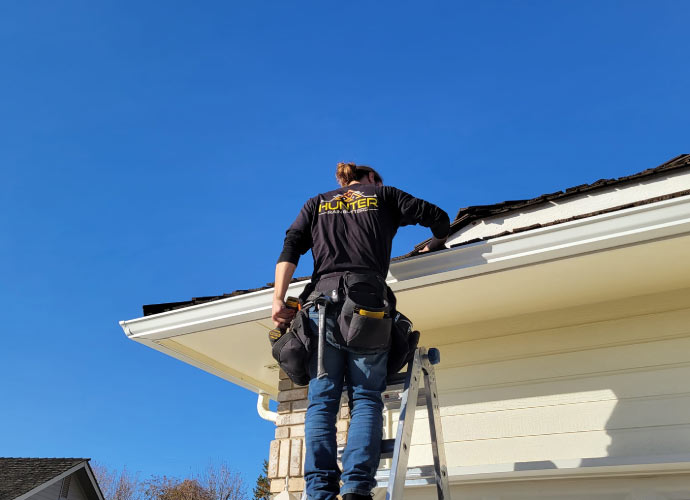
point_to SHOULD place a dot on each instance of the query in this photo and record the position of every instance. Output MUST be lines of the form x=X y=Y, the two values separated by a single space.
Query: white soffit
x=544 y=268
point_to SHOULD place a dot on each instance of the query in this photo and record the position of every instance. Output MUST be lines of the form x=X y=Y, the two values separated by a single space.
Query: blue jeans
x=365 y=376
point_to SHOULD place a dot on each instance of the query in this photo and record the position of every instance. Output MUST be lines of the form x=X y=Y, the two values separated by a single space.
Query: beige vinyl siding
x=580 y=384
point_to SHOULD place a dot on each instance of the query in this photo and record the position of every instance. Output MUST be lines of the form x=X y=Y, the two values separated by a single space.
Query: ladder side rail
x=396 y=481
x=436 y=429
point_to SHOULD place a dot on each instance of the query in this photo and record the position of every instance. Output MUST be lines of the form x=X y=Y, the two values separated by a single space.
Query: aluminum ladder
x=403 y=391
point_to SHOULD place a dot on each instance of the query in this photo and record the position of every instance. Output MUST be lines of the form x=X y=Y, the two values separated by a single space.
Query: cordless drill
x=276 y=333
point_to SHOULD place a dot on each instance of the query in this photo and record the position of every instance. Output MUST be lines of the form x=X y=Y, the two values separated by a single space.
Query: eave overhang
x=228 y=337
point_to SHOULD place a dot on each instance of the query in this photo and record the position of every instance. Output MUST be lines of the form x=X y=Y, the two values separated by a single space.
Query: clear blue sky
x=156 y=151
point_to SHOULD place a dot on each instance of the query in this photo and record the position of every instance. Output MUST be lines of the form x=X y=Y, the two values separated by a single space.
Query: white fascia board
x=621 y=228
x=51 y=481
x=630 y=226
x=240 y=309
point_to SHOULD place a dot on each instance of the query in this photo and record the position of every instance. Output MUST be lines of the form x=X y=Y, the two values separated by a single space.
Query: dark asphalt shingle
x=20 y=475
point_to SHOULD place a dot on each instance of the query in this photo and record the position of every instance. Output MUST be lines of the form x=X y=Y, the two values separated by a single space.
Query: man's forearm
x=284 y=272
x=437 y=243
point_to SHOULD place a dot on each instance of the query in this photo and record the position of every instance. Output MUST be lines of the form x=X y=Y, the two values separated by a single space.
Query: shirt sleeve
x=298 y=239
x=417 y=211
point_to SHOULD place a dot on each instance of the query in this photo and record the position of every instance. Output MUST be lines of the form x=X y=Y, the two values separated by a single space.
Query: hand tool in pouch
x=322 y=304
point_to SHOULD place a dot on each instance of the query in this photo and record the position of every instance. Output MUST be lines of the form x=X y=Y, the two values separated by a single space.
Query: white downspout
x=262 y=407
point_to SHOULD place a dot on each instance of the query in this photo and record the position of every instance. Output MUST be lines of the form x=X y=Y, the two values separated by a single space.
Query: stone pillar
x=286 y=456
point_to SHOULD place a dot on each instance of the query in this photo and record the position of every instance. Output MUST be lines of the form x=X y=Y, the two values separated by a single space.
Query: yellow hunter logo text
x=352 y=201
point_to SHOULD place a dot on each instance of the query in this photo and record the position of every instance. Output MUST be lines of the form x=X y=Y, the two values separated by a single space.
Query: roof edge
x=633 y=226
x=470 y=214
x=68 y=472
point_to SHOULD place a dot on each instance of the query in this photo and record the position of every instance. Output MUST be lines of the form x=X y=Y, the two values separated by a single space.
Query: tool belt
x=367 y=322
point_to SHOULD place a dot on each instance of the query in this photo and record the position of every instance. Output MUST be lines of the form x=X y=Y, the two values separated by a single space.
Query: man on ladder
x=350 y=232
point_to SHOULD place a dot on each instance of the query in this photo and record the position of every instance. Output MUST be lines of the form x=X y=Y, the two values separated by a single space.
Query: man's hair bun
x=345 y=173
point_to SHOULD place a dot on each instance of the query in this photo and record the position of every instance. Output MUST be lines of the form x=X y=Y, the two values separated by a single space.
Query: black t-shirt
x=352 y=228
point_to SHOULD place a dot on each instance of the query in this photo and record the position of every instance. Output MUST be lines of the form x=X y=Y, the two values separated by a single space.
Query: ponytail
x=345 y=173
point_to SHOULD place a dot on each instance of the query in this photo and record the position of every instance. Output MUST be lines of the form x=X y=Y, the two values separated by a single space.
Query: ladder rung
x=416 y=476
x=394 y=384
x=387 y=448
x=392 y=401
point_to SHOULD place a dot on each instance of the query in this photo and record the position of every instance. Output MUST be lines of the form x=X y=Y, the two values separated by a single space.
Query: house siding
x=51 y=492
x=590 y=385
x=76 y=489
x=577 y=389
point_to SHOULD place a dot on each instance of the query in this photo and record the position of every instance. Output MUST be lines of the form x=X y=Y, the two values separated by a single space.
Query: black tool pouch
x=404 y=341
x=364 y=321
x=293 y=349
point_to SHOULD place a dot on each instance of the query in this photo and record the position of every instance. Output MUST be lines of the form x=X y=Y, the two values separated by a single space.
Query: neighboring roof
x=21 y=475
x=470 y=215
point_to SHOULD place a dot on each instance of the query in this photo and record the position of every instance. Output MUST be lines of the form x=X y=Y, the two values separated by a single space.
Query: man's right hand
x=281 y=314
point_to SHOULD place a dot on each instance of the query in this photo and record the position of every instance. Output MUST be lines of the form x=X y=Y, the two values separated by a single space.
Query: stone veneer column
x=286 y=456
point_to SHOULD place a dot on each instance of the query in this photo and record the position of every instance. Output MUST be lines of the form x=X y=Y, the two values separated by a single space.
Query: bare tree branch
x=117 y=485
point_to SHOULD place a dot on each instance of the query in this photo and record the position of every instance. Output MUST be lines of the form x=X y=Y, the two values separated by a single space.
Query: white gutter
x=263 y=409
x=626 y=227
x=248 y=307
